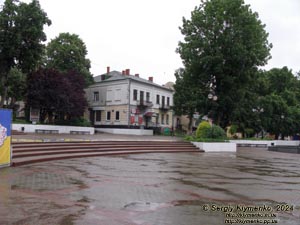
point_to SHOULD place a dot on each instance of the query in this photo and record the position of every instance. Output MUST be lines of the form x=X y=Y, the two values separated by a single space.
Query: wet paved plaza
x=155 y=189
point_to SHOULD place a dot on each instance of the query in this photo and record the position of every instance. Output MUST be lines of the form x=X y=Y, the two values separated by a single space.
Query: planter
x=216 y=146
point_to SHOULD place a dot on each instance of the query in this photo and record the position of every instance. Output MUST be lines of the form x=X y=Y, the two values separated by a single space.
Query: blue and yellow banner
x=5 y=137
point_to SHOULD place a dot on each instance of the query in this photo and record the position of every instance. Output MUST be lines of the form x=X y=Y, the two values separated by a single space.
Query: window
x=98 y=115
x=135 y=92
x=96 y=96
x=118 y=95
x=117 y=115
x=157 y=99
x=108 y=116
x=168 y=101
x=163 y=100
x=167 y=119
x=109 y=95
x=141 y=96
x=162 y=118
x=147 y=97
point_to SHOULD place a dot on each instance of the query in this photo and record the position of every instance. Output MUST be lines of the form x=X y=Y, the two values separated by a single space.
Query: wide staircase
x=29 y=152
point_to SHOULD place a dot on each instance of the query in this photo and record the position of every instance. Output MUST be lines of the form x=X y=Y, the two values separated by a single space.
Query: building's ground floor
x=124 y=116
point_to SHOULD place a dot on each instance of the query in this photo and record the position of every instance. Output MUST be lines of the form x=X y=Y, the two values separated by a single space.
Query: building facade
x=120 y=100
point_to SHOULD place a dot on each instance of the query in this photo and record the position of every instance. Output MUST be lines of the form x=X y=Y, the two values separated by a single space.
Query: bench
x=44 y=131
x=252 y=145
x=79 y=132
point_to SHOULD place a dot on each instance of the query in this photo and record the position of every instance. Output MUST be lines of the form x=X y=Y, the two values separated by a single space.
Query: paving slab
x=151 y=189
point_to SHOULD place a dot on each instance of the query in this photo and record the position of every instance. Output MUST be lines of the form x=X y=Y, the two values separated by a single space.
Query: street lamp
x=211 y=96
x=259 y=111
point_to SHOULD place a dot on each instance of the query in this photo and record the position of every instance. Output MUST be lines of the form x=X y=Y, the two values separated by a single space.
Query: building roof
x=116 y=75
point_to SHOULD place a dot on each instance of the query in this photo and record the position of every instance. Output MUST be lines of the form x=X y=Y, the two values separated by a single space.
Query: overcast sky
x=142 y=35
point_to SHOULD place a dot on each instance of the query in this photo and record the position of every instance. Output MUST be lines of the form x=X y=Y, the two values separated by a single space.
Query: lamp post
x=212 y=97
x=259 y=111
x=282 y=125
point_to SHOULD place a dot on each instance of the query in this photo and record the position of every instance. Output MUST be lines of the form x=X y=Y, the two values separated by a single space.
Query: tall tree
x=280 y=100
x=224 y=43
x=68 y=52
x=56 y=94
x=16 y=87
x=21 y=39
x=184 y=101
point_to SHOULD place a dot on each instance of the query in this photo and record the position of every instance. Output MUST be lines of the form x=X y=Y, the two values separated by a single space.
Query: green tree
x=68 y=52
x=184 y=101
x=56 y=94
x=279 y=98
x=224 y=44
x=21 y=39
x=17 y=87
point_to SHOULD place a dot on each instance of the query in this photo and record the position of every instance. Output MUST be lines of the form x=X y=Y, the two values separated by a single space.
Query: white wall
x=30 y=128
x=216 y=146
x=268 y=143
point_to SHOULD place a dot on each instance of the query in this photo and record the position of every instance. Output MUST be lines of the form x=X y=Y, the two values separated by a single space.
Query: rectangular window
x=141 y=96
x=96 y=96
x=98 y=116
x=118 y=95
x=109 y=95
x=117 y=115
x=157 y=99
x=163 y=100
x=147 y=97
x=162 y=118
x=167 y=119
x=135 y=93
x=168 y=101
x=108 y=115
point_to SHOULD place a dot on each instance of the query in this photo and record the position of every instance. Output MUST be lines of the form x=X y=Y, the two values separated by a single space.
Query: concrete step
x=27 y=153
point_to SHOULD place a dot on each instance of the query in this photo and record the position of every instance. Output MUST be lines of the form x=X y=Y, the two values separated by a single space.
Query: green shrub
x=205 y=130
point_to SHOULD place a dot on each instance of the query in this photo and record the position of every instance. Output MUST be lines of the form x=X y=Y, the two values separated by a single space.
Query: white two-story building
x=120 y=100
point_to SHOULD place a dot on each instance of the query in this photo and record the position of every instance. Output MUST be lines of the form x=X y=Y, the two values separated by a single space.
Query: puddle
x=145 y=206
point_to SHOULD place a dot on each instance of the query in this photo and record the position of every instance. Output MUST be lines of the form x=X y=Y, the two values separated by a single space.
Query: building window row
x=108 y=116
x=163 y=119
x=142 y=96
x=162 y=100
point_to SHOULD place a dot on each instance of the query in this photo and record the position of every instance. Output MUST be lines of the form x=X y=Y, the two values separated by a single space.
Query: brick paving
x=150 y=189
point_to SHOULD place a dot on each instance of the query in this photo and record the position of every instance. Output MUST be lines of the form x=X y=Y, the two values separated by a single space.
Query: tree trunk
x=4 y=91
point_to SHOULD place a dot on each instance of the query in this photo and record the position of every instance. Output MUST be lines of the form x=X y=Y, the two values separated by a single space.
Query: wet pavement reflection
x=166 y=189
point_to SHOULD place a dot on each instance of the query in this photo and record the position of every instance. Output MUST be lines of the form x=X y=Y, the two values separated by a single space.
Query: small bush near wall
x=206 y=130
x=208 y=133
x=80 y=122
x=203 y=129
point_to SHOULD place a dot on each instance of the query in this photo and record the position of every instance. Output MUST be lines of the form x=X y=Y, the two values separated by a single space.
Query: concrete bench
x=43 y=131
x=79 y=132
x=252 y=145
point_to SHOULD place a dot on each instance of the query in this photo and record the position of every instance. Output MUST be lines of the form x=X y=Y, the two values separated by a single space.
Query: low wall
x=216 y=146
x=256 y=143
x=285 y=149
x=31 y=128
x=125 y=131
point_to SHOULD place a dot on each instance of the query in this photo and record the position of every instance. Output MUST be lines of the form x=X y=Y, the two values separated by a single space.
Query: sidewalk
x=164 y=189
